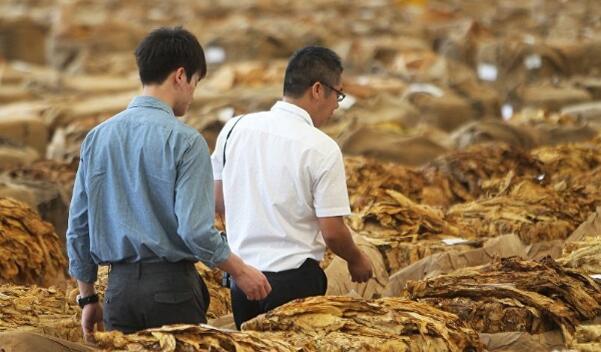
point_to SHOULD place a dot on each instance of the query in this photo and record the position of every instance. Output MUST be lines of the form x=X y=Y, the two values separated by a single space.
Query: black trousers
x=146 y=295
x=308 y=280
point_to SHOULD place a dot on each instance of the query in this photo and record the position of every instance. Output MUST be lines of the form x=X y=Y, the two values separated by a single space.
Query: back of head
x=309 y=65
x=166 y=49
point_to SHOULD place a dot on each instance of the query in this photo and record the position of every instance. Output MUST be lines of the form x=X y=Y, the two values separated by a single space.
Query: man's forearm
x=232 y=265
x=338 y=238
x=343 y=246
x=85 y=289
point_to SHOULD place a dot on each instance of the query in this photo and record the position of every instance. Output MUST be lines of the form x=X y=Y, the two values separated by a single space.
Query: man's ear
x=316 y=90
x=180 y=75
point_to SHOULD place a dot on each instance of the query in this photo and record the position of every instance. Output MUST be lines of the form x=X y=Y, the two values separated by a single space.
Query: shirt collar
x=292 y=109
x=150 y=102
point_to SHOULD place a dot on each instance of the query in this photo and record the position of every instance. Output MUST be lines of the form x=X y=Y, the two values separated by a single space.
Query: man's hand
x=253 y=283
x=91 y=315
x=360 y=268
x=250 y=280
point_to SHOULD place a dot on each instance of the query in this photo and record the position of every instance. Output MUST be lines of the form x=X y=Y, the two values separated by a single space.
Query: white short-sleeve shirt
x=281 y=174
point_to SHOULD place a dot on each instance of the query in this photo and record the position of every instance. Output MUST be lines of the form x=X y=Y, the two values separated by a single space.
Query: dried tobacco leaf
x=220 y=296
x=467 y=169
x=369 y=179
x=530 y=210
x=518 y=295
x=337 y=323
x=583 y=255
x=588 y=338
x=44 y=310
x=189 y=338
x=405 y=231
x=564 y=160
x=31 y=250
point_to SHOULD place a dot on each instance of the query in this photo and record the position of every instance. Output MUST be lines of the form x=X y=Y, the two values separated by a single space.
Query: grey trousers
x=146 y=295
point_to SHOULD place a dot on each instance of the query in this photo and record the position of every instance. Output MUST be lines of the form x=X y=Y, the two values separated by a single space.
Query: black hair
x=309 y=65
x=166 y=49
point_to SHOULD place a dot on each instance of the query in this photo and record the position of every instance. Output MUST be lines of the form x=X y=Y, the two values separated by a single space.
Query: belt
x=152 y=267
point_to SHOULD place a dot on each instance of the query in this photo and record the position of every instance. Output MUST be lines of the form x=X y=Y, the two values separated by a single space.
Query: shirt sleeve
x=330 y=195
x=195 y=205
x=81 y=265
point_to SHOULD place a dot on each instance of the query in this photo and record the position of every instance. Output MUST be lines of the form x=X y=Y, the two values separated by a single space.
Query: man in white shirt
x=281 y=186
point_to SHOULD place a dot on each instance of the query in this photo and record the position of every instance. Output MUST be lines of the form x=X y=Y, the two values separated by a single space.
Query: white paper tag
x=506 y=111
x=347 y=102
x=533 y=61
x=487 y=72
x=596 y=276
x=529 y=39
x=215 y=55
x=225 y=114
x=425 y=88
x=454 y=240
x=363 y=80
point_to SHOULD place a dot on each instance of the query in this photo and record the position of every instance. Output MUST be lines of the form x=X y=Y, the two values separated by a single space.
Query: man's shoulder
x=324 y=143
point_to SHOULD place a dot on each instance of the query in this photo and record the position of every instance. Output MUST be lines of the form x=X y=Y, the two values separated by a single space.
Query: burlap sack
x=391 y=146
x=339 y=279
x=447 y=111
x=25 y=130
x=33 y=342
x=589 y=112
x=549 y=134
x=581 y=57
x=551 y=97
x=10 y=93
x=523 y=341
x=490 y=130
x=12 y=156
x=23 y=39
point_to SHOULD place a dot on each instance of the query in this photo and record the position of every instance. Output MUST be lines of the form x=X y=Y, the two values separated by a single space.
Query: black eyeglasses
x=339 y=95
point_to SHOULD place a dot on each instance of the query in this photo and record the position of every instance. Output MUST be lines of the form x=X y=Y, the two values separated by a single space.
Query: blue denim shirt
x=143 y=193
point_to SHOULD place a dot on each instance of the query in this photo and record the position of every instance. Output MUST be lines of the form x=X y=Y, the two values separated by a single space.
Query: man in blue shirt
x=143 y=202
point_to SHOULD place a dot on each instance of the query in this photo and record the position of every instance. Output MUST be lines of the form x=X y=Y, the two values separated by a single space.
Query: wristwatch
x=82 y=301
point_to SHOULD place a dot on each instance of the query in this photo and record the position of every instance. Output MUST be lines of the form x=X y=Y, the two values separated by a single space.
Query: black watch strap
x=82 y=301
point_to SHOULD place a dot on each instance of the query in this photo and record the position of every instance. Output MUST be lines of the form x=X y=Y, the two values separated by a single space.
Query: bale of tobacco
x=582 y=250
x=31 y=250
x=190 y=338
x=466 y=170
x=588 y=338
x=339 y=323
x=533 y=211
x=584 y=255
x=405 y=231
x=43 y=310
x=369 y=179
x=514 y=295
x=564 y=160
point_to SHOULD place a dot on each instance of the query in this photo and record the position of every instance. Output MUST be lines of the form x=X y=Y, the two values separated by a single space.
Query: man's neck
x=301 y=103
x=159 y=92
